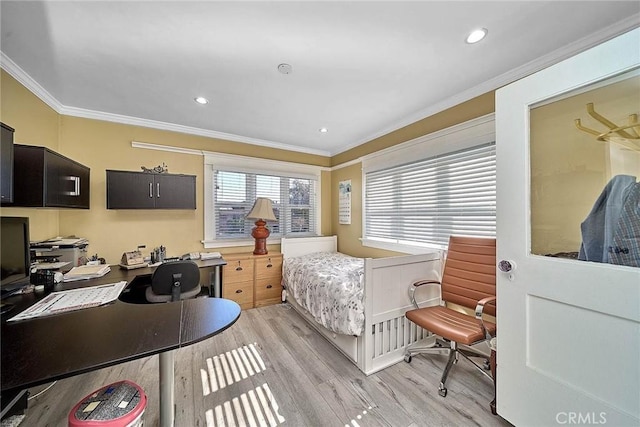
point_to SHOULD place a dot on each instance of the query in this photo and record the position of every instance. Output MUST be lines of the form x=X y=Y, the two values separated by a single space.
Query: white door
x=568 y=349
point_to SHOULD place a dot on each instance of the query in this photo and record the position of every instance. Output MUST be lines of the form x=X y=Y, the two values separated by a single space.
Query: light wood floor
x=271 y=368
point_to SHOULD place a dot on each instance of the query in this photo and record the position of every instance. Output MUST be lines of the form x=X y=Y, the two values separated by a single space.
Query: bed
x=366 y=324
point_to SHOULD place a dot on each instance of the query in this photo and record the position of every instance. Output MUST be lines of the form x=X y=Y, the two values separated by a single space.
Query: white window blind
x=423 y=202
x=234 y=192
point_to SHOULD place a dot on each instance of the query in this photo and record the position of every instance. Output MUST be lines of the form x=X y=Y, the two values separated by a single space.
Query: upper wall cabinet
x=44 y=178
x=141 y=190
x=6 y=164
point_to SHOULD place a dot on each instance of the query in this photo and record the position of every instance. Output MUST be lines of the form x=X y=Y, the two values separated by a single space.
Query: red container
x=120 y=404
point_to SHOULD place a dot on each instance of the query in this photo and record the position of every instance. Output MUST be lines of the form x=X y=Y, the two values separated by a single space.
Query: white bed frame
x=386 y=282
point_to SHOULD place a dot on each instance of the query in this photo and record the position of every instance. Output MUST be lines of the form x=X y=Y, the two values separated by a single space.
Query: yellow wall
x=35 y=123
x=103 y=145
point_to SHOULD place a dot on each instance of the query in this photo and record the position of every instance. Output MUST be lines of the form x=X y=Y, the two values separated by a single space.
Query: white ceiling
x=360 y=69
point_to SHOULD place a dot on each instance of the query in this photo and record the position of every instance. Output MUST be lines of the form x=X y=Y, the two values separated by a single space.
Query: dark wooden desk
x=41 y=350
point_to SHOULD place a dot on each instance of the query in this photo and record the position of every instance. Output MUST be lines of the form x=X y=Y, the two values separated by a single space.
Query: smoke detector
x=285 y=68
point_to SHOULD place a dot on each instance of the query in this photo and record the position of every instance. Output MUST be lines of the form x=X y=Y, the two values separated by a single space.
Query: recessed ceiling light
x=201 y=100
x=323 y=130
x=477 y=35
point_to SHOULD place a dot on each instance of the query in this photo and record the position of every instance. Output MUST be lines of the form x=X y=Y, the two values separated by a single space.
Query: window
x=232 y=188
x=447 y=187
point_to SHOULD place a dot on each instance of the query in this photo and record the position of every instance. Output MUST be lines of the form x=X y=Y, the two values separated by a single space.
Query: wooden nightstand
x=252 y=280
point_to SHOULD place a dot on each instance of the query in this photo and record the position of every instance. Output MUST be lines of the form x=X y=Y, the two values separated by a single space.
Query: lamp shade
x=262 y=209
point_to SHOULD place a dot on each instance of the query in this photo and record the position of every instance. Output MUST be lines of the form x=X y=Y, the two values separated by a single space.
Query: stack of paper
x=86 y=272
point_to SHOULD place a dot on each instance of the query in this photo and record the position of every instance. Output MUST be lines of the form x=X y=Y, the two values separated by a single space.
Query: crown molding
x=156 y=124
x=27 y=81
x=515 y=74
x=510 y=76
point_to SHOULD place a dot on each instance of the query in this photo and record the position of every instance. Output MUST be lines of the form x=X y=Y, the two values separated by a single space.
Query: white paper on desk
x=87 y=272
x=50 y=265
x=73 y=299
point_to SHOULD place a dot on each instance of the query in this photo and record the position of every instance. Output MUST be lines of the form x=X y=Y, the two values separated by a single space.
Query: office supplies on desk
x=71 y=300
x=87 y=272
x=210 y=255
x=132 y=260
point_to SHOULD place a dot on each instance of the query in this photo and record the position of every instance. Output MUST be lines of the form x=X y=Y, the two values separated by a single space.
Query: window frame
x=463 y=136
x=251 y=165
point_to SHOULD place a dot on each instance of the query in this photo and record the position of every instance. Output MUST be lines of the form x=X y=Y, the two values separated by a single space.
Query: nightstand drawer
x=242 y=293
x=268 y=289
x=269 y=266
x=238 y=270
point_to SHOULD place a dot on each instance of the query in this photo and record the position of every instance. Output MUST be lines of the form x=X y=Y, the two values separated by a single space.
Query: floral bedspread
x=330 y=287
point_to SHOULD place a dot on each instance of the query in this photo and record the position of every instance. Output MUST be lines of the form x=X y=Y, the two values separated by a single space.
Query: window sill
x=402 y=247
x=210 y=244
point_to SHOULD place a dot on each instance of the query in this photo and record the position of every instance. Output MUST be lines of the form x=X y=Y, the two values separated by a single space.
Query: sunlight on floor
x=255 y=408
x=232 y=366
x=354 y=423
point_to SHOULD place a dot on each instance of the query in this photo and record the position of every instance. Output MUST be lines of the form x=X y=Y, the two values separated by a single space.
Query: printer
x=61 y=249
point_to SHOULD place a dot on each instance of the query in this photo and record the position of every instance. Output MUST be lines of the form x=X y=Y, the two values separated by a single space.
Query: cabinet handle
x=151 y=190
x=239 y=291
x=238 y=268
x=76 y=185
x=269 y=286
x=158 y=189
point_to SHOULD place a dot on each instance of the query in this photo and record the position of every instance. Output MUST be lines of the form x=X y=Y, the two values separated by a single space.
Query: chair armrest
x=479 y=309
x=416 y=285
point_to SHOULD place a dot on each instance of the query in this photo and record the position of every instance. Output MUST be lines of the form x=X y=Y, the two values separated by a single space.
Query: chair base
x=435 y=345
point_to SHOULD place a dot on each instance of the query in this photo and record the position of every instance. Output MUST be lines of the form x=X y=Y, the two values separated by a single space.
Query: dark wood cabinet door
x=73 y=184
x=130 y=190
x=175 y=191
x=44 y=178
x=6 y=164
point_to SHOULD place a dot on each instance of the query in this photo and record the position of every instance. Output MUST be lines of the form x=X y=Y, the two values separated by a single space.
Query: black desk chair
x=174 y=281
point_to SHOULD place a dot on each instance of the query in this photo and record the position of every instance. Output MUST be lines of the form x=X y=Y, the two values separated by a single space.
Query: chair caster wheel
x=407 y=358
x=442 y=392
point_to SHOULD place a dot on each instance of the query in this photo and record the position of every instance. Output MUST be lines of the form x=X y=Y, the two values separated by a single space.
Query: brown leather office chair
x=174 y=281
x=468 y=280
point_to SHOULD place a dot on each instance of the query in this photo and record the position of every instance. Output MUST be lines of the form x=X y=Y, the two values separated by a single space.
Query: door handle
x=151 y=190
x=158 y=190
x=76 y=185
x=506 y=266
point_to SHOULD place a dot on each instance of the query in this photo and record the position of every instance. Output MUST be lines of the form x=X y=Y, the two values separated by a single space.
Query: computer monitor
x=15 y=259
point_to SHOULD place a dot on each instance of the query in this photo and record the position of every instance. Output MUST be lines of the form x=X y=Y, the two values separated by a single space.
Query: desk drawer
x=238 y=270
x=242 y=293
x=269 y=266
x=268 y=291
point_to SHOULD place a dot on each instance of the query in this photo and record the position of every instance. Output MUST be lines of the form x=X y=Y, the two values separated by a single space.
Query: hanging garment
x=626 y=240
x=598 y=229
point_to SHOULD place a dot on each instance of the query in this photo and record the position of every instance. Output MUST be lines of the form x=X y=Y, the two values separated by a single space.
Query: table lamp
x=262 y=211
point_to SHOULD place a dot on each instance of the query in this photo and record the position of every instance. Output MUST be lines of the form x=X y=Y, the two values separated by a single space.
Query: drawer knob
x=239 y=291
x=269 y=265
x=269 y=286
x=239 y=267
